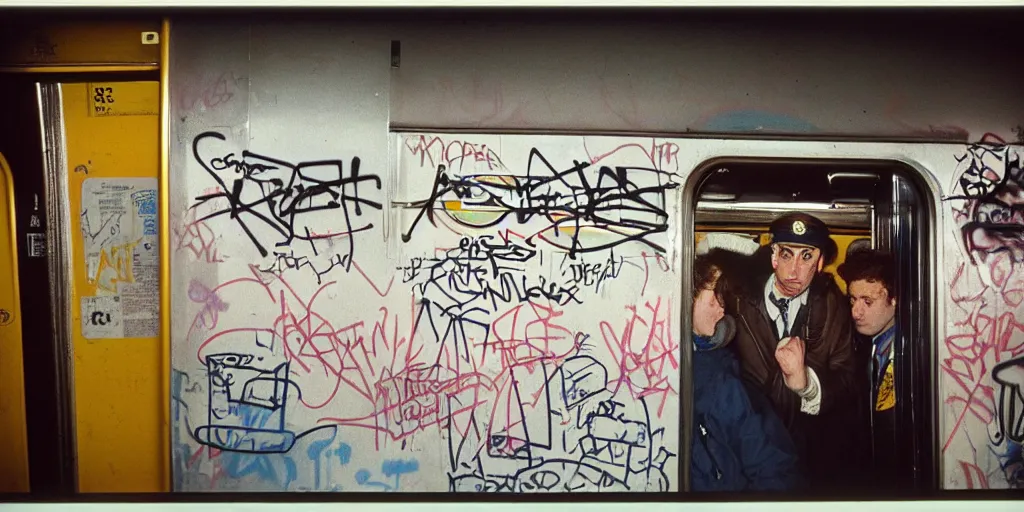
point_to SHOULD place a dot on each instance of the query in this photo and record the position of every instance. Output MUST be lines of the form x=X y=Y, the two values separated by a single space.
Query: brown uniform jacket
x=825 y=325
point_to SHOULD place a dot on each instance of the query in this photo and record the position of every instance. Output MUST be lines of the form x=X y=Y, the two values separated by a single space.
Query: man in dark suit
x=870 y=283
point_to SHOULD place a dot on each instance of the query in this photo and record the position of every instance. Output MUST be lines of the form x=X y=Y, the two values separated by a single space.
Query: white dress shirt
x=810 y=396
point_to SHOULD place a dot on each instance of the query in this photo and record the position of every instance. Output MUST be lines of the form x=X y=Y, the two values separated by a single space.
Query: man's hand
x=790 y=355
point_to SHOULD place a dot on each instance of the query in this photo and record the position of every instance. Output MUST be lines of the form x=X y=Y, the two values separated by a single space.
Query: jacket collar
x=703 y=343
x=820 y=283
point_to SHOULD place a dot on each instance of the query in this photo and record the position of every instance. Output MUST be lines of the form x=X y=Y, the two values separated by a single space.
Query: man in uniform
x=795 y=343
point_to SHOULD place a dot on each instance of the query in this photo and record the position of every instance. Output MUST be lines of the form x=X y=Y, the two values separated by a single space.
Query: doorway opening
x=866 y=204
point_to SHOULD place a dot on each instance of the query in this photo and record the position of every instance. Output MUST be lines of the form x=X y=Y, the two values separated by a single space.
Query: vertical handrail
x=58 y=255
x=165 y=252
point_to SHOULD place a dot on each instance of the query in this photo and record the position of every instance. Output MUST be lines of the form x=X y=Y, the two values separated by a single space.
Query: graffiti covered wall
x=360 y=311
x=357 y=310
x=453 y=346
x=981 y=358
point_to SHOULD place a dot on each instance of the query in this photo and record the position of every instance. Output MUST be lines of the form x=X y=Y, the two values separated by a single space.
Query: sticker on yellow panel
x=123 y=99
x=120 y=246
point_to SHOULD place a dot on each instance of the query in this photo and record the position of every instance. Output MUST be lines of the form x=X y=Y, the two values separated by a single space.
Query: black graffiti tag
x=282 y=195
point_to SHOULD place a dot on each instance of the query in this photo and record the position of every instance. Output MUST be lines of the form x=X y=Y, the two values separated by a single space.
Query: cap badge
x=799 y=228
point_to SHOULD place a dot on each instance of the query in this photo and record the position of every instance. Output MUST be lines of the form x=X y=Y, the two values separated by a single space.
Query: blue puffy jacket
x=738 y=442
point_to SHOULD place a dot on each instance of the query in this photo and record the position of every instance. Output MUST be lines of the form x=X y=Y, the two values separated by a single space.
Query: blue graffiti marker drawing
x=397 y=468
x=315 y=449
x=145 y=208
x=389 y=468
x=145 y=202
x=344 y=453
x=181 y=450
x=363 y=478
x=265 y=467
x=242 y=401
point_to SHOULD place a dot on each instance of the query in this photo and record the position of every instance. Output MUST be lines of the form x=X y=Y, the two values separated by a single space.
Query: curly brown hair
x=872 y=266
x=727 y=265
x=704 y=271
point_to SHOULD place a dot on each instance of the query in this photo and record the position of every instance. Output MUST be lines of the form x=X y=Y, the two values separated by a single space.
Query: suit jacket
x=882 y=458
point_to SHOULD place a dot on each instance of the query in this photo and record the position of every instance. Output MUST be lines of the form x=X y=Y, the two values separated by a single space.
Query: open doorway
x=866 y=205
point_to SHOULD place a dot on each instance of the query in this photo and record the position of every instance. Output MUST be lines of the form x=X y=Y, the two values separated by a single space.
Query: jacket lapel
x=762 y=328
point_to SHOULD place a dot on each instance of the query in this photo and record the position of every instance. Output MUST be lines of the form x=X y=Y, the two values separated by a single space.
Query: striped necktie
x=783 y=305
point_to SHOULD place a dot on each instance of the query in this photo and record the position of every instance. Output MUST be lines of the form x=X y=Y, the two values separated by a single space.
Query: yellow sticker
x=887 y=391
x=123 y=99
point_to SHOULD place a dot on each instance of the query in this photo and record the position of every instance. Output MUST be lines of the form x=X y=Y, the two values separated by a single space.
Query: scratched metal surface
x=768 y=75
x=352 y=391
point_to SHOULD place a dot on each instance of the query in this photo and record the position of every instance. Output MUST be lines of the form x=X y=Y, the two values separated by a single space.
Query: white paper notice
x=101 y=317
x=120 y=238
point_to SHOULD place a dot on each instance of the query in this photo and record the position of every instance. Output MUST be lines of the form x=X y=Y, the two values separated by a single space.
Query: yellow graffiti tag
x=115 y=266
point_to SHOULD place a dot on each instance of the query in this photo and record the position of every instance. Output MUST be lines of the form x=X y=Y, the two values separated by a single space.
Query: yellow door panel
x=112 y=134
x=13 y=431
x=72 y=42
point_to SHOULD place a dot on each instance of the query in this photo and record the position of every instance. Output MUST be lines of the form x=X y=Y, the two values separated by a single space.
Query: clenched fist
x=790 y=355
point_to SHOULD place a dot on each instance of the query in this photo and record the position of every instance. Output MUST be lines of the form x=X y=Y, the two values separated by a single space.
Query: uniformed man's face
x=795 y=267
x=872 y=309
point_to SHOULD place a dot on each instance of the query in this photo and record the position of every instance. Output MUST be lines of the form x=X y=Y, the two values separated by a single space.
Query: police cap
x=802 y=229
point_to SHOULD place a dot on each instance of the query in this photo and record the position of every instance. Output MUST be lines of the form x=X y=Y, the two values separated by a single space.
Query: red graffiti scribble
x=411 y=395
x=416 y=398
x=662 y=264
x=197 y=238
x=974 y=474
x=642 y=351
x=986 y=296
x=661 y=154
x=200 y=320
x=530 y=340
x=372 y=284
x=324 y=358
x=453 y=154
x=208 y=94
x=982 y=334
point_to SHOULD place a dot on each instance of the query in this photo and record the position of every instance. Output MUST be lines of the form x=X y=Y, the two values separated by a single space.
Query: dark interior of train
x=885 y=202
x=44 y=416
x=742 y=195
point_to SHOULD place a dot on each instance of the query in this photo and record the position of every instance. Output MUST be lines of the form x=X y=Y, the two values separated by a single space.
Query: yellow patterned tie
x=886 y=391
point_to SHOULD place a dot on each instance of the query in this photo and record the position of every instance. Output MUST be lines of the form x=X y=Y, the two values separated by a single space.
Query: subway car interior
x=873 y=204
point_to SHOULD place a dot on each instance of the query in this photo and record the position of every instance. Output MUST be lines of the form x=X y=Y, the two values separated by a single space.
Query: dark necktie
x=883 y=344
x=783 y=305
